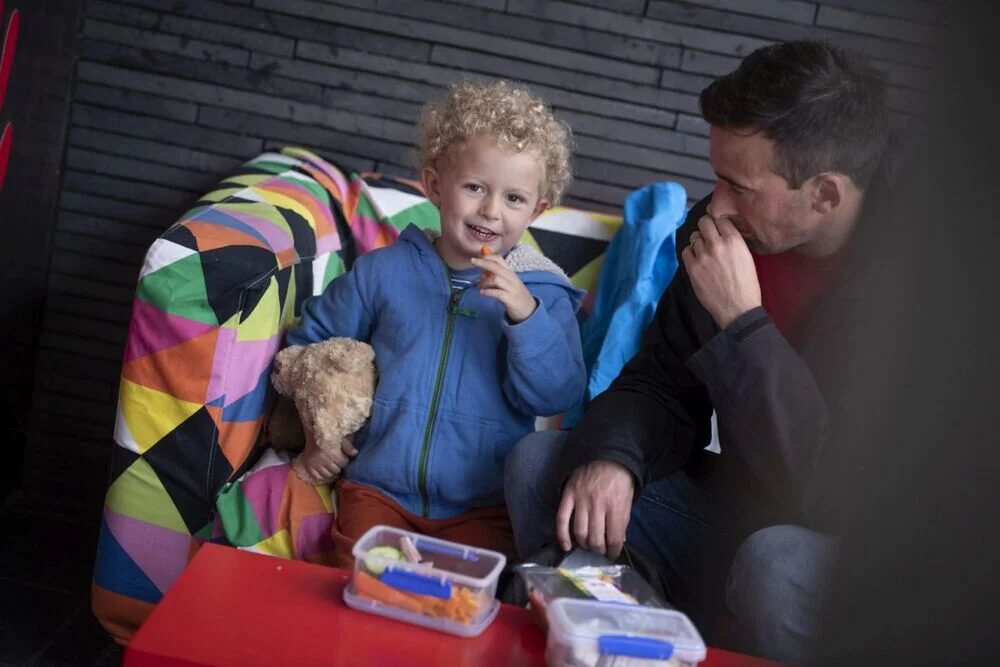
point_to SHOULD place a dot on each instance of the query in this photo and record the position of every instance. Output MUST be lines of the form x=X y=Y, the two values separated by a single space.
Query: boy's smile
x=487 y=195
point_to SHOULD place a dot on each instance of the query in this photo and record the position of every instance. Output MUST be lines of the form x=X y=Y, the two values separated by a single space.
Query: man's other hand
x=596 y=505
x=721 y=270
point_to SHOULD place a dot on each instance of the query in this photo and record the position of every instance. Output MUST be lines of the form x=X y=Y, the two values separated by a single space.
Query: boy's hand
x=321 y=466
x=501 y=282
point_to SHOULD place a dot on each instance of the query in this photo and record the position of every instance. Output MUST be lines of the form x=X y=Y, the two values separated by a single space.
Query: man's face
x=772 y=217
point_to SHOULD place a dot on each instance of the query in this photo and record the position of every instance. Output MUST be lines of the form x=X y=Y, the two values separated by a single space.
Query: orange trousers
x=360 y=507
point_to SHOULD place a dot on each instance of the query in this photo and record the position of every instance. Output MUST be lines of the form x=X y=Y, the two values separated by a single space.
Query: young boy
x=474 y=334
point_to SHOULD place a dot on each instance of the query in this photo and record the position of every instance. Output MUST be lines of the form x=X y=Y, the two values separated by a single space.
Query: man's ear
x=431 y=180
x=829 y=190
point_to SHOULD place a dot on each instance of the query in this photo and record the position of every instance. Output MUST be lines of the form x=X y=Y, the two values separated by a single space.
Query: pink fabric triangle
x=153 y=330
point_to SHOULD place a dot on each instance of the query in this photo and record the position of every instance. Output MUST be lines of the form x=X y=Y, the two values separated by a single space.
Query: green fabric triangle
x=334 y=268
x=138 y=493
x=424 y=215
x=262 y=322
x=237 y=518
x=179 y=288
x=205 y=533
x=365 y=208
x=218 y=195
x=586 y=278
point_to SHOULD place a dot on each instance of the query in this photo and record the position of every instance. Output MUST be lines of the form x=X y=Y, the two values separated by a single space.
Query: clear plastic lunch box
x=451 y=588
x=588 y=633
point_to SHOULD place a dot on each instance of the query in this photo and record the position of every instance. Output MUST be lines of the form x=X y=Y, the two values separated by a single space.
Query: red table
x=231 y=607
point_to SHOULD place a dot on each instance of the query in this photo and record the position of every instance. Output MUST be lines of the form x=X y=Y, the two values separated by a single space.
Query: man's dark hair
x=824 y=108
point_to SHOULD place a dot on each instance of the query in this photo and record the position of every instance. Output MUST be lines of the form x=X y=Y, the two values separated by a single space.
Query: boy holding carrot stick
x=475 y=334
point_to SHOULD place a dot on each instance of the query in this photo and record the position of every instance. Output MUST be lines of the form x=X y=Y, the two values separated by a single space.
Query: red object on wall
x=7 y=53
x=5 y=141
x=6 y=64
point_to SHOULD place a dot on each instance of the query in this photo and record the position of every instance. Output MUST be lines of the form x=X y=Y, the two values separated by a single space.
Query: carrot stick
x=370 y=587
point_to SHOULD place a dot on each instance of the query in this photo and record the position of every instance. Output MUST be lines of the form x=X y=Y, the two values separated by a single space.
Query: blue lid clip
x=415 y=582
x=635 y=647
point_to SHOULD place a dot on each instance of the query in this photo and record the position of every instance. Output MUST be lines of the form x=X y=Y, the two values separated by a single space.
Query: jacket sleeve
x=772 y=413
x=545 y=370
x=342 y=310
x=656 y=412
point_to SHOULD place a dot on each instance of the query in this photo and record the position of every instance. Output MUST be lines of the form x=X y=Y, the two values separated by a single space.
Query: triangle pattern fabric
x=159 y=552
x=261 y=313
x=153 y=329
x=180 y=371
x=121 y=459
x=150 y=414
x=138 y=493
x=115 y=570
x=215 y=236
x=162 y=253
x=190 y=469
x=571 y=253
x=224 y=269
x=179 y=288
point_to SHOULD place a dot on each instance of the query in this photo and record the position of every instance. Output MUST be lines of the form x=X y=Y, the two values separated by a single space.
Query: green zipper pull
x=454 y=309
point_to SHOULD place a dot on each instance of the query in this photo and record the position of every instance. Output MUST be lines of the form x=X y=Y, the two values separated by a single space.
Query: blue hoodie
x=458 y=383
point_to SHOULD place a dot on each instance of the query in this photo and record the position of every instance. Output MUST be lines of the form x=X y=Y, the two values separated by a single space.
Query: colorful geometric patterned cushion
x=215 y=294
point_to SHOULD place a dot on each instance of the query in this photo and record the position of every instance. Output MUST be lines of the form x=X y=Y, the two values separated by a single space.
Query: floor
x=45 y=570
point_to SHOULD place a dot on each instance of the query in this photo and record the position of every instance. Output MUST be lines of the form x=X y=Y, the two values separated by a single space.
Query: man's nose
x=720 y=205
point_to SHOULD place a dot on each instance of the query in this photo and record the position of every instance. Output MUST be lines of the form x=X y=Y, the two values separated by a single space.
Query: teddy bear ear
x=283 y=373
x=358 y=356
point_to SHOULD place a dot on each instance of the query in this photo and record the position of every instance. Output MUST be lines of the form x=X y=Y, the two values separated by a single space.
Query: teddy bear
x=331 y=385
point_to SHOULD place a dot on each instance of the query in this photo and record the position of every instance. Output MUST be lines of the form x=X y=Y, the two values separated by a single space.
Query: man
x=753 y=327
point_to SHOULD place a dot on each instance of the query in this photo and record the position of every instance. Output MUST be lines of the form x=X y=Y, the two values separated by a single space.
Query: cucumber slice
x=378 y=558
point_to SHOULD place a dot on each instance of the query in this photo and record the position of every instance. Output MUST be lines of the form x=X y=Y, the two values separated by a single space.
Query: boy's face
x=487 y=196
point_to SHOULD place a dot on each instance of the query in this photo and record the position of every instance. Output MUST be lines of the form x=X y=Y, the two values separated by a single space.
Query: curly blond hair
x=518 y=120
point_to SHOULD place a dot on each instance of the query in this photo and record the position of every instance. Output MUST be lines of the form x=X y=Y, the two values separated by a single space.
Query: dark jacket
x=780 y=407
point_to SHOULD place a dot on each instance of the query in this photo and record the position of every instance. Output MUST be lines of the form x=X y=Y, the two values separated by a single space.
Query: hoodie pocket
x=464 y=466
x=389 y=447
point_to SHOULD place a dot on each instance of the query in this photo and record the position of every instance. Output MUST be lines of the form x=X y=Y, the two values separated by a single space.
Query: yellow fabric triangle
x=279 y=544
x=250 y=179
x=151 y=414
x=221 y=194
x=233 y=322
x=528 y=239
x=283 y=201
x=262 y=323
x=586 y=278
x=262 y=210
x=326 y=497
x=288 y=307
x=138 y=493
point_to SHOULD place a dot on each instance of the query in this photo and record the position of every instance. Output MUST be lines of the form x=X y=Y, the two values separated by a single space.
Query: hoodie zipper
x=453 y=311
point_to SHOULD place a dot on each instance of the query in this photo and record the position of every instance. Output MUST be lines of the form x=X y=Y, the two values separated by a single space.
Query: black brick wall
x=170 y=94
